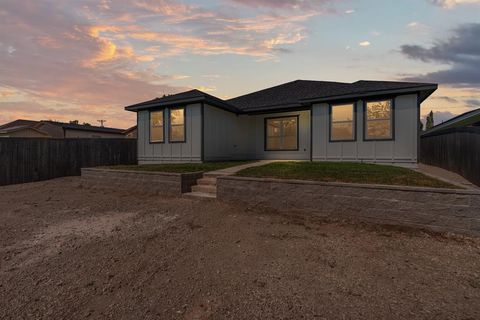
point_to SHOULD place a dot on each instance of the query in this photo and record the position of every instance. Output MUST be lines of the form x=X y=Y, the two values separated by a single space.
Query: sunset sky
x=86 y=60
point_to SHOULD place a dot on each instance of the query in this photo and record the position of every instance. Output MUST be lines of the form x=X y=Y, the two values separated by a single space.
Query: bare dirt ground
x=67 y=252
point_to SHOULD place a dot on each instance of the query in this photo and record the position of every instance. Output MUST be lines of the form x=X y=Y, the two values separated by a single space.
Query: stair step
x=207 y=181
x=200 y=195
x=205 y=188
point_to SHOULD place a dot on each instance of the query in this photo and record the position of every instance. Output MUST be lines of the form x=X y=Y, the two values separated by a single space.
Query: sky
x=87 y=60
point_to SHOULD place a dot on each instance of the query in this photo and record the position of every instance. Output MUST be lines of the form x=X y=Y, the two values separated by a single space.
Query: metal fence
x=34 y=159
x=456 y=149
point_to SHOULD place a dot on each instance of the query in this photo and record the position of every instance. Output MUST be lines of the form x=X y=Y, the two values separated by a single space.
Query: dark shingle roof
x=18 y=123
x=191 y=96
x=290 y=95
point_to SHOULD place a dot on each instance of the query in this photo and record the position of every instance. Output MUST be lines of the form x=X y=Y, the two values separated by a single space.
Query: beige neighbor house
x=59 y=130
x=371 y=121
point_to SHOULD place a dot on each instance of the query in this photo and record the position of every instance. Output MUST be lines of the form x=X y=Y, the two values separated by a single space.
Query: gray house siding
x=401 y=150
x=230 y=136
x=223 y=135
x=257 y=137
x=188 y=151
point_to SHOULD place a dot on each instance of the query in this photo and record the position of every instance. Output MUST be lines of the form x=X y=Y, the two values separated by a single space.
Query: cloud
x=364 y=43
x=349 y=11
x=448 y=4
x=473 y=102
x=461 y=52
x=98 y=56
x=286 y=4
x=440 y=117
x=445 y=98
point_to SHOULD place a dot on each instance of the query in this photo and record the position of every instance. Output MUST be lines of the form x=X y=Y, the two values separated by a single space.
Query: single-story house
x=371 y=121
x=53 y=129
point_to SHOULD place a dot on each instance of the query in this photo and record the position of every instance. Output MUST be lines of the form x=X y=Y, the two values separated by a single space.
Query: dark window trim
x=150 y=126
x=184 y=125
x=330 y=105
x=392 y=119
x=265 y=132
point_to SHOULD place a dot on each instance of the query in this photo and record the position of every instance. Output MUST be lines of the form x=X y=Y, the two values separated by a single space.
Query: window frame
x=150 y=126
x=265 y=132
x=184 y=125
x=354 y=121
x=392 y=119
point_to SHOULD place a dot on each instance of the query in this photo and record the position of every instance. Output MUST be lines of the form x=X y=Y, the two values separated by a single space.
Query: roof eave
x=220 y=104
x=429 y=89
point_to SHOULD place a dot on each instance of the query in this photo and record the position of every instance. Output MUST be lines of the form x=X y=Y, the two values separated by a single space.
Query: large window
x=342 y=122
x=281 y=133
x=177 y=125
x=378 y=120
x=156 y=126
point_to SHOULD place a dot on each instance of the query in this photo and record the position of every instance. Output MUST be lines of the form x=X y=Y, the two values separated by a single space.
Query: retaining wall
x=434 y=209
x=140 y=181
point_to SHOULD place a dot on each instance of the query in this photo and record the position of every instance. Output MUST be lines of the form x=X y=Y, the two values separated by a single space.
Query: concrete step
x=207 y=181
x=200 y=195
x=205 y=189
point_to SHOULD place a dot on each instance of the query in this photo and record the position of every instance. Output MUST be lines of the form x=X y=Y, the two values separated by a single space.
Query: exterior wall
x=188 y=151
x=222 y=135
x=70 y=133
x=401 y=150
x=257 y=137
x=140 y=181
x=230 y=136
x=433 y=209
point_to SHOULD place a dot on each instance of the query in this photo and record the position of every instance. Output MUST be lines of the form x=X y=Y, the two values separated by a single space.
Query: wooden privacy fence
x=34 y=159
x=456 y=149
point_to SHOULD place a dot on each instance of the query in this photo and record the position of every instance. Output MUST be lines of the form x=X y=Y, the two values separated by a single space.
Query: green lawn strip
x=179 y=167
x=345 y=172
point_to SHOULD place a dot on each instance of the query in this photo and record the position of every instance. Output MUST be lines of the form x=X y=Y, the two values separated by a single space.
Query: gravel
x=67 y=252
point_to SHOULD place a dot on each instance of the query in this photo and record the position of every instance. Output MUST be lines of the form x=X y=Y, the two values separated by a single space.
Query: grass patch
x=345 y=172
x=180 y=167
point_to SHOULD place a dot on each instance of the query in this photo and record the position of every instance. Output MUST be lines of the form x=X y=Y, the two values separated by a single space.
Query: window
x=342 y=122
x=281 y=133
x=177 y=125
x=156 y=126
x=378 y=120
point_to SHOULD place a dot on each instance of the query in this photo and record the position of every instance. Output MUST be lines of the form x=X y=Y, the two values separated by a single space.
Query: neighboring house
x=24 y=131
x=60 y=130
x=470 y=118
x=131 y=133
x=373 y=121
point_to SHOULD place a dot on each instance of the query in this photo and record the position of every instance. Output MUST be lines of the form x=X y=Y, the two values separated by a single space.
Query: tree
x=73 y=121
x=421 y=125
x=430 y=123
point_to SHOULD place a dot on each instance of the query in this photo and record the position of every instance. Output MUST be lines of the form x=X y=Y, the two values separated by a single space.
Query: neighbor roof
x=470 y=118
x=293 y=94
x=85 y=127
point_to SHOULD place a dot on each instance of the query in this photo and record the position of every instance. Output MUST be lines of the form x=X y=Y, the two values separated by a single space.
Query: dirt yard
x=67 y=252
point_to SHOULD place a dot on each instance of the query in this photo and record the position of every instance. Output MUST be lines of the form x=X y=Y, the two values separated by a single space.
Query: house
x=374 y=121
x=131 y=132
x=25 y=131
x=54 y=129
x=470 y=118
